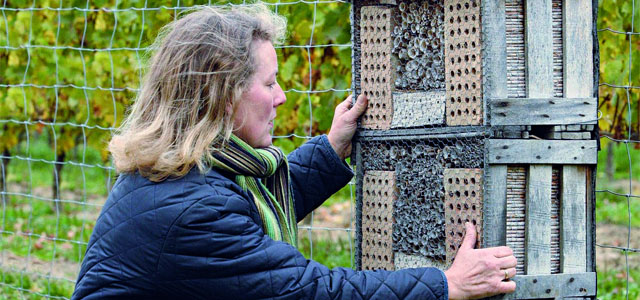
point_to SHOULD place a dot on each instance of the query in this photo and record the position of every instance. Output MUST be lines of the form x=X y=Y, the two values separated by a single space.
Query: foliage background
x=71 y=68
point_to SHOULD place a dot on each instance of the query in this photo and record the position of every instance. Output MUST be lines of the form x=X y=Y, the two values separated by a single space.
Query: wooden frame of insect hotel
x=483 y=112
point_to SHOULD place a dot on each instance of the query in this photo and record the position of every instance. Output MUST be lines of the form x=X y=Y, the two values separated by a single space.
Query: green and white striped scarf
x=264 y=173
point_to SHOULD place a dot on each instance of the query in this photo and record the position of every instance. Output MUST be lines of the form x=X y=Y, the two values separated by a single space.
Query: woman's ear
x=228 y=109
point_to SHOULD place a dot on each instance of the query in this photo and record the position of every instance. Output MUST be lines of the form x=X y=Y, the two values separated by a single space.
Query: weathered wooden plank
x=574 y=220
x=578 y=49
x=536 y=111
x=495 y=206
x=541 y=151
x=556 y=286
x=539 y=48
x=494 y=51
x=538 y=220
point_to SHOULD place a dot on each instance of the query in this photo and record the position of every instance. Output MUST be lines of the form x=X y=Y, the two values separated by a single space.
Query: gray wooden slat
x=539 y=48
x=537 y=111
x=578 y=49
x=506 y=151
x=495 y=205
x=574 y=220
x=538 y=220
x=556 y=286
x=494 y=51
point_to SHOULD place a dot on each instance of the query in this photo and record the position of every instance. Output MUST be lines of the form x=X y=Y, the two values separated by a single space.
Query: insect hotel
x=483 y=112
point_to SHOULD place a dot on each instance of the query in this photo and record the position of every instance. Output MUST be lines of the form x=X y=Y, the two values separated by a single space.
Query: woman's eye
x=271 y=85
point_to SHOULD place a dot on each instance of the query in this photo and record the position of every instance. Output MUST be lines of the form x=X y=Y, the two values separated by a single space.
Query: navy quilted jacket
x=200 y=237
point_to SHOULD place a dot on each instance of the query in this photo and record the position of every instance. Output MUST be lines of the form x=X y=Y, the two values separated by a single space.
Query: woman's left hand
x=343 y=126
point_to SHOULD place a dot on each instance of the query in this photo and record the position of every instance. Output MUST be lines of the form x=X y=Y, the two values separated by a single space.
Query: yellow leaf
x=100 y=22
x=14 y=59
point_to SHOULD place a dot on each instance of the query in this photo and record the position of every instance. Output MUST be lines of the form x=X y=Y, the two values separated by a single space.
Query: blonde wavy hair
x=201 y=65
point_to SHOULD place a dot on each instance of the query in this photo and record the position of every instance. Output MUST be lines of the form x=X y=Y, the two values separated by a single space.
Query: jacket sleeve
x=316 y=173
x=215 y=250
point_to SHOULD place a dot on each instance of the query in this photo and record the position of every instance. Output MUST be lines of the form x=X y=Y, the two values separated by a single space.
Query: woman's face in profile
x=257 y=107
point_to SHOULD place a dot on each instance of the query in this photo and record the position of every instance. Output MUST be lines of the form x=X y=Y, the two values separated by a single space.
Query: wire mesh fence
x=71 y=68
x=620 y=135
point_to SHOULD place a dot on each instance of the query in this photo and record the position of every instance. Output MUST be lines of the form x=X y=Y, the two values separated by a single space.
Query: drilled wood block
x=516 y=197
x=463 y=203
x=405 y=261
x=463 y=62
x=378 y=194
x=376 y=66
x=418 y=109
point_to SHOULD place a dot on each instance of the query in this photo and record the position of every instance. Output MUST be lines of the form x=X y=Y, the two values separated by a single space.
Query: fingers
x=505 y=287
x=507 y=262
x=344 y=105
x=511 y=272
x=358 y=108
x=503 y=251
x=469 y=241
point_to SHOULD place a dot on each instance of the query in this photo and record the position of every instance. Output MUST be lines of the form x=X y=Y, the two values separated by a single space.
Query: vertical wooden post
x=578 y=82
x=494 y=63
x=538 y=220
x=495 y=206
x=539 y=48
x=578 y=47
x=574 y=220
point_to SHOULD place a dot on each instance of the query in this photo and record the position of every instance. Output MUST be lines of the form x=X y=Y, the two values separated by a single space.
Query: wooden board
x=574 y=219
x=495 y=205
x=538 y=220
x=557 y=286
x=539 y=48
x=494 y=51
x=537 y=111
x=541 y=151
x=578 y=49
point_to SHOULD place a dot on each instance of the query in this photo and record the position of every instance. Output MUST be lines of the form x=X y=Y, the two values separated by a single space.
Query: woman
x=206 y=208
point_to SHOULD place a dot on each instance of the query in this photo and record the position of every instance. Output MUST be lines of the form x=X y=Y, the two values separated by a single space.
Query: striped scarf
x=264 y=173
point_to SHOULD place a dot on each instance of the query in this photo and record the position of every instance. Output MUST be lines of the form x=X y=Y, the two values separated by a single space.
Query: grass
x=612 y=208
x=331 y=252
x=612 y=284
x=18 y=285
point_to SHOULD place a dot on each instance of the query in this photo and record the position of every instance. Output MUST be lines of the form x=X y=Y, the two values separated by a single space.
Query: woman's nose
x=280 y=97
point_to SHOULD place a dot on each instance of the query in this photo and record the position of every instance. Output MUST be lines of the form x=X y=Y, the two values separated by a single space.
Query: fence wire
x=70 y=69
x=64 y=88
x=630 y=139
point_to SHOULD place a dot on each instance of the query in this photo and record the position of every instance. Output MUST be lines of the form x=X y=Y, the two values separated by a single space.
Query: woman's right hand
x=479 y=273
